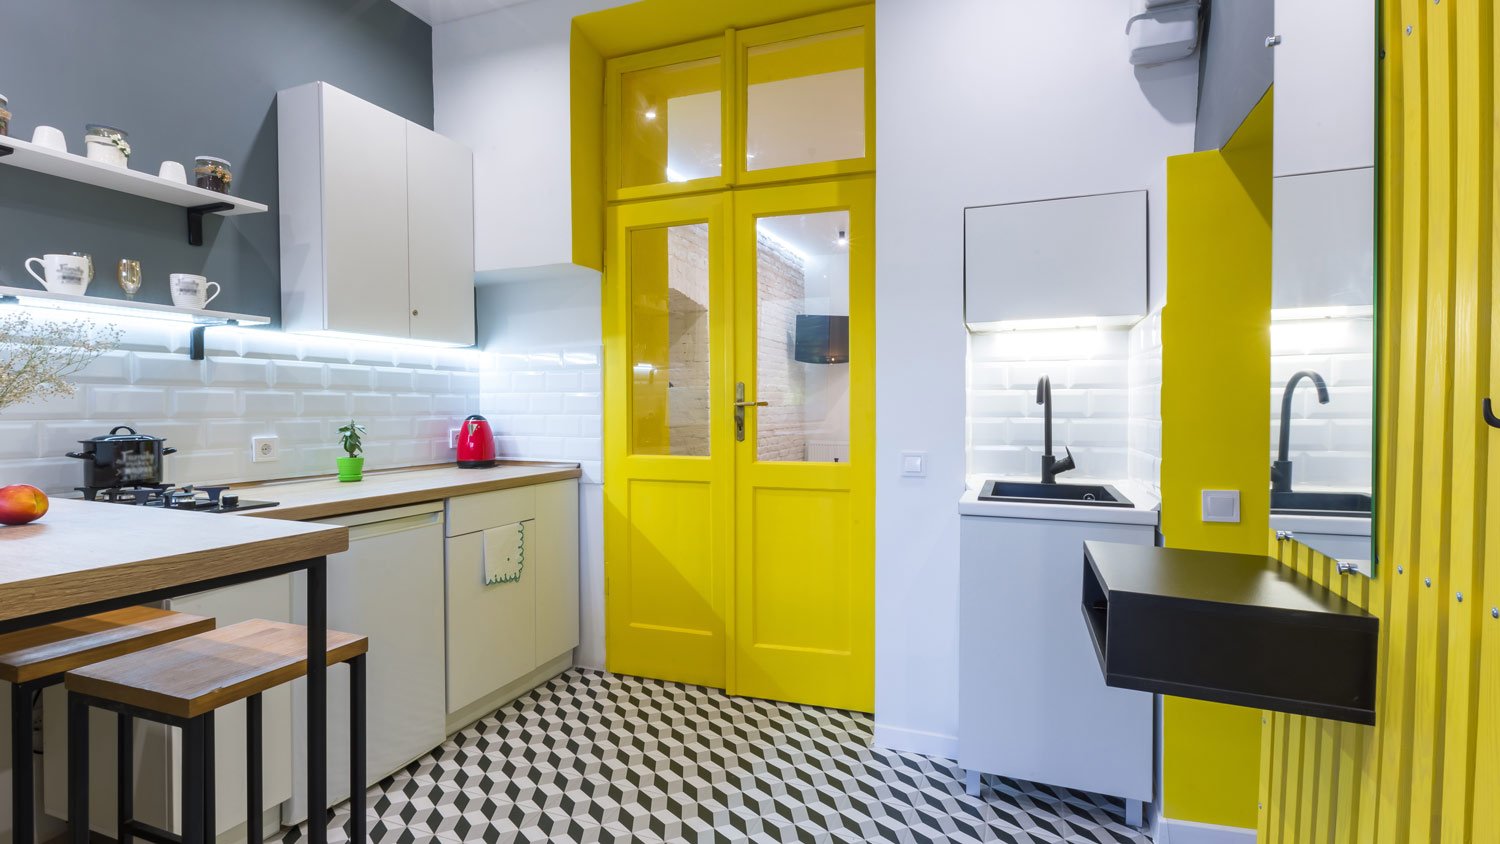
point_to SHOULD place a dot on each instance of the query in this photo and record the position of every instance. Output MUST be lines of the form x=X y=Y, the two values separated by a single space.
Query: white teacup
x=50 y=137
x=63 y=273
x=173 y=171
x=191 y=291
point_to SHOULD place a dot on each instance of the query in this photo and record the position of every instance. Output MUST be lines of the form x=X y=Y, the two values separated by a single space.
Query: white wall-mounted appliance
x=1163 y=31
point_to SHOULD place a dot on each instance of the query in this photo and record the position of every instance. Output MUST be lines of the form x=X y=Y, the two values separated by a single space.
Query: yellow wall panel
x=1219 y=260
x=1430 y=768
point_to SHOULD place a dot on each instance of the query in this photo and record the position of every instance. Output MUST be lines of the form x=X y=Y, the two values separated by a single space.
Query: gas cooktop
x=203 y=499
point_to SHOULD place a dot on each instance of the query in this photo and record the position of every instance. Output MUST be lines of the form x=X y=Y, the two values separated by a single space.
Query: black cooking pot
x=116 y=459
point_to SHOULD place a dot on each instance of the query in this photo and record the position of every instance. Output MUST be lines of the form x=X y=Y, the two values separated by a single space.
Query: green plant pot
x=351 y=469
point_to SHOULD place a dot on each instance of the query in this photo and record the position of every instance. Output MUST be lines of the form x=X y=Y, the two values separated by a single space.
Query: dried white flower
x=37 y=357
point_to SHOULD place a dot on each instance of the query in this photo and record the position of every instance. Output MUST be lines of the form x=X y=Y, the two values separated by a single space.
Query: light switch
x=914 y=464
x=1221 y=505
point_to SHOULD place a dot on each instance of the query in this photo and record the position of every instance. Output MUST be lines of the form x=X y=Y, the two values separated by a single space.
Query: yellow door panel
x=667 y=491
x=803 y=602
x=801 y=598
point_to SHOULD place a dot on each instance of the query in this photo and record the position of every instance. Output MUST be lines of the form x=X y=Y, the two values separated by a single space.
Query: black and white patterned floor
x=595 y=757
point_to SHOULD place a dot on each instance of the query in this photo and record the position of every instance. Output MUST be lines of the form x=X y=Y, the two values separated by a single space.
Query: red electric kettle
x=476 y=444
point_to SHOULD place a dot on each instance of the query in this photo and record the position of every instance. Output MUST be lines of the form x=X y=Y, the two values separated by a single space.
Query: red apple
x=21 y=503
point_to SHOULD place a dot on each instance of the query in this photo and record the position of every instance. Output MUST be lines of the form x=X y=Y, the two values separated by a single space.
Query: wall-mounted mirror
x=1323 y=278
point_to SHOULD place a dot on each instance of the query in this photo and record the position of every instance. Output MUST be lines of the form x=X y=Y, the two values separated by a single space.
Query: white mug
x=50 y=137
x=63 y=273
x=173 y=171
x=191 y=291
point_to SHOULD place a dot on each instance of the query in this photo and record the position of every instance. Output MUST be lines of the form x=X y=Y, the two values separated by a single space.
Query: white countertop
x=1337 y=525
x=1146 y=509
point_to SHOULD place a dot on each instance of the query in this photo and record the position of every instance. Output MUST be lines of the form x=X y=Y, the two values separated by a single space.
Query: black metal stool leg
x=357 y=789
x=78 y=768
x=192 y=782
x=23 y=797
x=124 y=777
x=255 y=805
x=210 y=791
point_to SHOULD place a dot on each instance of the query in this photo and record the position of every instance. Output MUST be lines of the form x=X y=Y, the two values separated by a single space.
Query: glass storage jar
x=107 y=144
x=4 y=116
x=212 y=173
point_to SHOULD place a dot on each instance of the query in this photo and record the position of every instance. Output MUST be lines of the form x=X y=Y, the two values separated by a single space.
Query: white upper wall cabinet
x=377 y=221
x=1323 y=241
x=1080 y=257
x=1325 y=86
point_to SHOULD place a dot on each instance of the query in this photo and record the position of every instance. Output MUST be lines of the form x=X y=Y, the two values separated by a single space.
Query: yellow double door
x=739 y=441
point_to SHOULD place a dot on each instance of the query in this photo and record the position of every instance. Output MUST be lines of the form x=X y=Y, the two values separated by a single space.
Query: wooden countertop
x=322 y=498
x=83 y=552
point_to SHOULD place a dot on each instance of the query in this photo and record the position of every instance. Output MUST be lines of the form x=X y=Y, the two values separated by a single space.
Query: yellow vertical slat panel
x=1292 y=767
x=1435 y=432
x=1470 y=332
x=1486 y=778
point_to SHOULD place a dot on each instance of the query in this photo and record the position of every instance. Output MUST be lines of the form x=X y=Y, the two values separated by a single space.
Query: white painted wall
x=500 y=87
x=979 y=102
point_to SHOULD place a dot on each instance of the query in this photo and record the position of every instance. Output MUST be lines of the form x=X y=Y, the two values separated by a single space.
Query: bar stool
x=182 y=684
x=32 y=660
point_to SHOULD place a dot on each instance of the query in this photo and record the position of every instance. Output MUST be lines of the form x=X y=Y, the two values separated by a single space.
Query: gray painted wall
x=184 y=78
x=1235 y=67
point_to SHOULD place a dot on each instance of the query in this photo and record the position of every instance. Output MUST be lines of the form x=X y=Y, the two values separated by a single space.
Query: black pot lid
x=115 y=437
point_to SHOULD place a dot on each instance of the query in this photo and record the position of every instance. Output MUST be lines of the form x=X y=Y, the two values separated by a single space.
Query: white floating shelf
x=199 y=319
x=77 y=168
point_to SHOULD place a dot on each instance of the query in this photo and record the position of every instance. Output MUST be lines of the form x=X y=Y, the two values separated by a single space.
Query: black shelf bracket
x=195 y=221
x=4 y=151
x=196 y=338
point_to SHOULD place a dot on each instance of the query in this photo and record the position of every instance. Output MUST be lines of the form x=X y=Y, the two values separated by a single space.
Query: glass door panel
x=802 y=337
x=667 y=120
x=669 y=340
x=806 y=100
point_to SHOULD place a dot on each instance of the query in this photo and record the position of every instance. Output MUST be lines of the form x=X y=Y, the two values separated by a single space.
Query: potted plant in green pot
x=352 y=468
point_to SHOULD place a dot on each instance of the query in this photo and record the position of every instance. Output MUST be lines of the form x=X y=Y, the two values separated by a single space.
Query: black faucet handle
x=1065 y=464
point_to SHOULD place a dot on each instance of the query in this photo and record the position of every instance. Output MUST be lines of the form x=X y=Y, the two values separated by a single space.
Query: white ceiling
x=442 y=11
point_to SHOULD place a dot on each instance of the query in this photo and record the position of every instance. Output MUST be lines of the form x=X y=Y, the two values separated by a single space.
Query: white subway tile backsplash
x=563 y=382
x=204 y=402
x=1330 y=443
x=254 y=382
x=125 y=402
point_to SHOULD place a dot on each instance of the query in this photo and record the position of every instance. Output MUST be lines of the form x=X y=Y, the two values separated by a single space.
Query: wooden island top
x=322 y=498
x=87 y=552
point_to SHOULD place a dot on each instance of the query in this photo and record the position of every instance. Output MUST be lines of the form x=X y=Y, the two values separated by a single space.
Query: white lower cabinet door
x=1032 y=701
x=556 y=569
x=491 y=627
x=158 y=749
x=389 y=587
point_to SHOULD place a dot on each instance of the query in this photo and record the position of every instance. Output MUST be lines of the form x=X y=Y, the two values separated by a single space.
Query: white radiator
x=827 y=452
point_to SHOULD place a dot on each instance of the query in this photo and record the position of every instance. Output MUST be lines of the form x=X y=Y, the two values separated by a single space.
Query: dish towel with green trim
x=505 y=553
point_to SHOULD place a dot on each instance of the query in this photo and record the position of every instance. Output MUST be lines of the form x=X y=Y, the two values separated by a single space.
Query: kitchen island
x=87 y=557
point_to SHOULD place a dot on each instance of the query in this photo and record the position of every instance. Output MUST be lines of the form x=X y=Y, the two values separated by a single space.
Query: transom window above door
x=783 y=102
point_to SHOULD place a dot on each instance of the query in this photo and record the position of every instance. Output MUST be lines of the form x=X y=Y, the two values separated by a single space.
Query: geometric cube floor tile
x=598 y=757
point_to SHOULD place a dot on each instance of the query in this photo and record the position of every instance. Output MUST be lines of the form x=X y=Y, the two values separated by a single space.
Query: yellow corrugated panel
x=1430 y=769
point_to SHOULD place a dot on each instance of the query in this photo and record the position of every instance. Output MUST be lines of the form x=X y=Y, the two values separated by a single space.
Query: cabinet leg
x=1135 y=814
x=21 y=762
x=971 y=783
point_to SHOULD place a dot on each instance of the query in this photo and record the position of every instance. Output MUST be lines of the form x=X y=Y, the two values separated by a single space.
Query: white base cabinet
x=388 y=586
x=158 y=749
x=498 y=633
x=1032 y=700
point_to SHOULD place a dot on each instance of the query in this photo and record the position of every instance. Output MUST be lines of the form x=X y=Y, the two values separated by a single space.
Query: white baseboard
x=916 y=741
x=1169 y=831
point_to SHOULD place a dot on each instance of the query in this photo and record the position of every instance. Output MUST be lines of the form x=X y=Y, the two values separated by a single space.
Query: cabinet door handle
x=1273 y=40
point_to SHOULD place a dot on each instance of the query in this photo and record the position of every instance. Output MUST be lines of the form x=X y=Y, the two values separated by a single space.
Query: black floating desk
x=1231 y=628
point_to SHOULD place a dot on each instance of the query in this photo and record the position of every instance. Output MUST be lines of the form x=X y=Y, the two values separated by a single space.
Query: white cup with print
x=191 y=291
x=63 y=273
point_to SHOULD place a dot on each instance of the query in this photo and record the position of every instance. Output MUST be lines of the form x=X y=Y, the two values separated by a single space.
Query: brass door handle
x=739 y=410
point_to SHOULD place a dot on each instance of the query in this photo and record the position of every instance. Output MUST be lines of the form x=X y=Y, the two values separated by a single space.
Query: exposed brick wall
x=687 y=329
x=781 y=281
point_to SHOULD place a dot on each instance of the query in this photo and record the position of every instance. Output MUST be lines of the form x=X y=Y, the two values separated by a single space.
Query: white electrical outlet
x=264 y=449
x=453 y=437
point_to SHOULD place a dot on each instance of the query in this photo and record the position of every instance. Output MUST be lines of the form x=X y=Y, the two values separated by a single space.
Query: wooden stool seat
x=40 y=652
x=199 y=674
